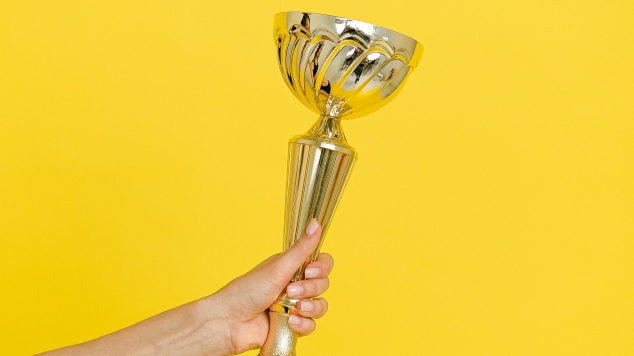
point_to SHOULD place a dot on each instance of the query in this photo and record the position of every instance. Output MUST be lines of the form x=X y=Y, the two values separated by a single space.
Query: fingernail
x=293 y=319
x=294 y=290
x=306 y=306
x=311 y=272
x=312 y=227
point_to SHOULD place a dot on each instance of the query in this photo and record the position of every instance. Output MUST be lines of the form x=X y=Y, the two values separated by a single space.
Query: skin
x=232 y=320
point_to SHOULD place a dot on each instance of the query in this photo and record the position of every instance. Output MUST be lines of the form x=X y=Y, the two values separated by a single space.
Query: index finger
x=321 y=268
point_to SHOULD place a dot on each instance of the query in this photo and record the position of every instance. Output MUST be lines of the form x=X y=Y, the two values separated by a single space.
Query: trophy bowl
x=341 y=67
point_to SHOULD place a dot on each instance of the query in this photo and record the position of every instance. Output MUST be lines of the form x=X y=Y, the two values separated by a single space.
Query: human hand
x=234 y=319
x=243 y=303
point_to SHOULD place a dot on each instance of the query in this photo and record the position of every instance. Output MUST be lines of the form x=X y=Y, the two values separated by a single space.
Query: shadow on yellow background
x=142 y=165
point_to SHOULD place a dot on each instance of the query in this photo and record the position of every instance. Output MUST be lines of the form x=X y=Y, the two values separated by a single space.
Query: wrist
x=209 y=329
x=191 y=329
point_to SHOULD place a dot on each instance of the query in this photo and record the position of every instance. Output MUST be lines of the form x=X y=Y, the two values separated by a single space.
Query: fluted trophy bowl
x=340 y=67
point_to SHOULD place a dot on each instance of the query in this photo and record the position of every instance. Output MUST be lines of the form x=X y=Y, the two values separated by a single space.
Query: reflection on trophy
x=340 y=69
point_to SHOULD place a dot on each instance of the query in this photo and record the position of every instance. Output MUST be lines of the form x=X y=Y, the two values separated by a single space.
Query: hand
x=234 y=319
x=245 y=301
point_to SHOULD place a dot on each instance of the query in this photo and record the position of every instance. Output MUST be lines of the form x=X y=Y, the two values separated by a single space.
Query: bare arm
x=230 y=321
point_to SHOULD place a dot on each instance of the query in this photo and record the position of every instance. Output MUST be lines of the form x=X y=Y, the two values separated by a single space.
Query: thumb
x=256 y=290
x=284 y=267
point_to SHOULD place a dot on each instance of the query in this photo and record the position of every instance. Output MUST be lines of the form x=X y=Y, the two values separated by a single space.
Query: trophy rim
x=351 y=19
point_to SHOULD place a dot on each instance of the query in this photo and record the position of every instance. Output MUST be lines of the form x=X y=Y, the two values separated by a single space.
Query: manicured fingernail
x=294 y=290
x=306 y=306
x=293 y=319
x=312 y=227
x=311 y=272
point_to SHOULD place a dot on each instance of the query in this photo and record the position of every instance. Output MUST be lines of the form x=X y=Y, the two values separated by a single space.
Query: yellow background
x=143 y=155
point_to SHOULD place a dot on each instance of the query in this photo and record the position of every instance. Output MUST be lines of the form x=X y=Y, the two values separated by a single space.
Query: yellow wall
x=142 y=163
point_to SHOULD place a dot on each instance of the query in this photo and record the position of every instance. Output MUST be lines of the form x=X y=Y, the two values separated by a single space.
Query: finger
x=281 y=270
x=321 y=268
x=307 y=289
x=266 y=262
x=315 y=308
x=302 y=326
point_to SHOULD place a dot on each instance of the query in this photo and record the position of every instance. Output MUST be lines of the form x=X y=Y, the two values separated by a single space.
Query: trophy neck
x=328 y=127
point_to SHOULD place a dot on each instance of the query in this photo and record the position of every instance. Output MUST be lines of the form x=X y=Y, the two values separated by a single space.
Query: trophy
x=341 y=69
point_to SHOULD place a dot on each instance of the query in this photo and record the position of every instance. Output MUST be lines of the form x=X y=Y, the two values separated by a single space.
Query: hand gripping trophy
x=340 y=69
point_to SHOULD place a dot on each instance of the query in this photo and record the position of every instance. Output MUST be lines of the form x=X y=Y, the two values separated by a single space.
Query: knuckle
x=299 y=245
x=294 y=247
x=312 y=325
x=324 y=306
x=328 y=260
x=276 y=274
x=326 y=284
x=304 y=246
x=305 y=326
x=310 y=287
x=309 y=326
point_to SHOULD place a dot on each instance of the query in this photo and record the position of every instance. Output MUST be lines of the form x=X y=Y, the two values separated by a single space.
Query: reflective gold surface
x=341 y=69
x=282 y=340
x=318 y=169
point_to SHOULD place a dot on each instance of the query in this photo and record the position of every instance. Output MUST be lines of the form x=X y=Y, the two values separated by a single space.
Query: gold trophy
x=341 y=69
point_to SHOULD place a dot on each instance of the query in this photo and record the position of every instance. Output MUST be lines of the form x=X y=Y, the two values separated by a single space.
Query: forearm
x=188 y=330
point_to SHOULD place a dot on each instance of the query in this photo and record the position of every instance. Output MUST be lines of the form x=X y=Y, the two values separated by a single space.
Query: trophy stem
x=319 y=165
x=328 y=127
